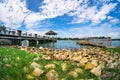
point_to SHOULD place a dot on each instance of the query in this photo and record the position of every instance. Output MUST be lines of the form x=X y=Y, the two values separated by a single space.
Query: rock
x=64 y=66
x=52 y=75
x=89 y=65
x=76 y=58
x=34 y=65
x=63 y=57
x=41 y=48
x=84 y=60
x=90 y=79
x=46 y=57
x=7 y=65
x=63 y=79
x=73 y=73
x=95 y=62
x=97 y=70
x=50 y=66
x=25 y=69
x=37 y=72
x=78 y=70
x=36 y=59
x=29 y=77
x=81 y=64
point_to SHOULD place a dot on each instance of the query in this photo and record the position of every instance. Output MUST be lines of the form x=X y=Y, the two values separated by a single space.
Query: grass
x=16 y=59
x=13 y=61
x=113 y=50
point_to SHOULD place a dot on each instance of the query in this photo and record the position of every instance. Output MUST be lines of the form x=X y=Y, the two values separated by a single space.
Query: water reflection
x=62 y=44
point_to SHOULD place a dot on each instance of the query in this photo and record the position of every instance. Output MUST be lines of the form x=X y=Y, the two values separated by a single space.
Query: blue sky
x=69 y=18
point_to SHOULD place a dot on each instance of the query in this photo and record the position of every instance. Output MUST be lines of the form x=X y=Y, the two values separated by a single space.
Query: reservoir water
x=69 y=44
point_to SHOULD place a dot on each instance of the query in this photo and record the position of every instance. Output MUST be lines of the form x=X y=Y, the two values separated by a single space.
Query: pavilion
x=51 y=34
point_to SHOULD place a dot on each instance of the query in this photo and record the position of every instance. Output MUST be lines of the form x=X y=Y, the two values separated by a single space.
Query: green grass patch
x=113 y=50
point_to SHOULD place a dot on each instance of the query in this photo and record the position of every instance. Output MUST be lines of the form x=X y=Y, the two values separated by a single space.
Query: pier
x=97 y=42
x=16 y=37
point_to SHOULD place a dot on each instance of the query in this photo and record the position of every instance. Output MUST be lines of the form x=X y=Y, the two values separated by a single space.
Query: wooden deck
x=89 y=44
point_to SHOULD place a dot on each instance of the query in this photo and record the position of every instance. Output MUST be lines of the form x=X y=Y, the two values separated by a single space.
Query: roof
x=51 y=33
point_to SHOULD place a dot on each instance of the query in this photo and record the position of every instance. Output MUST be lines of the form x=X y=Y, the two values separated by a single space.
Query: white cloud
x=110 y=17
x=51 y=9
x=102 y=14
x=84 y=13
x=114 y=21
x=13 y=13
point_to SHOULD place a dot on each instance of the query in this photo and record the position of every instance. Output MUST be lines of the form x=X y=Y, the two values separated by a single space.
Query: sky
x=69 y=18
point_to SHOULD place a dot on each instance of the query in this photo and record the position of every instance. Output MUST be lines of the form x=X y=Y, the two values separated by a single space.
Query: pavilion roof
x=51 y=33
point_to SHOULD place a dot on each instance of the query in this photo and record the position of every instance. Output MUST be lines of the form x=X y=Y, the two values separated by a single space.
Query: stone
x=64 y=66
x=73 y=73
x=25 y=69
x=7 y=65
x=75 y=59
x=63 y=79
x=52 y=75
x=34 y=65
x=50 y=66
x=81 y=64
x=41 y=48
x=97 y=70
x=29 y=77
x=89 y=65
x=90 y=79
x=37 y=72
x=36 y=59
x=84 y=60
x=95 y=62
x=78 y=70
x=46 y=57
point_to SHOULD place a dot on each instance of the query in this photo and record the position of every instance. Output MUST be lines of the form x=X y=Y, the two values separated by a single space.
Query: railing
x=8 y=31
x=103 y=42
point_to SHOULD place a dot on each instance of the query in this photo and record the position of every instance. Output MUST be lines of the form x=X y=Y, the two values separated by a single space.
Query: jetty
x=89 y=44
x=16 y=37
x=104 y=42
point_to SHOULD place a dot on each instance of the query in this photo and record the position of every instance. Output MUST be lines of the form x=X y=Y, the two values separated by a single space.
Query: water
x=116 y=43
x=69 y=44
x=62 y=44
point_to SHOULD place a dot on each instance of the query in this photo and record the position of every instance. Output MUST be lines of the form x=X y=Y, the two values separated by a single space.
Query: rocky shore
x=94 y=59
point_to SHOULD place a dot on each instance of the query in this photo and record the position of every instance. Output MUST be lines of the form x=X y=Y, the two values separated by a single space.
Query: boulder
x=89 y=65
x=64 y=66
x=50 y=66
x=52 y=75
x=25 y=69
x=34 y=65
x=95 y=62
x=78 y=70
x=84 y=60
x=73 y=73
x=37 y=72
x=97 y=70
x=29 y=77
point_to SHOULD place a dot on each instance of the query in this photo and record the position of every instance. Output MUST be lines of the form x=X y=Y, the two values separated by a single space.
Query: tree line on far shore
x=84 y=38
